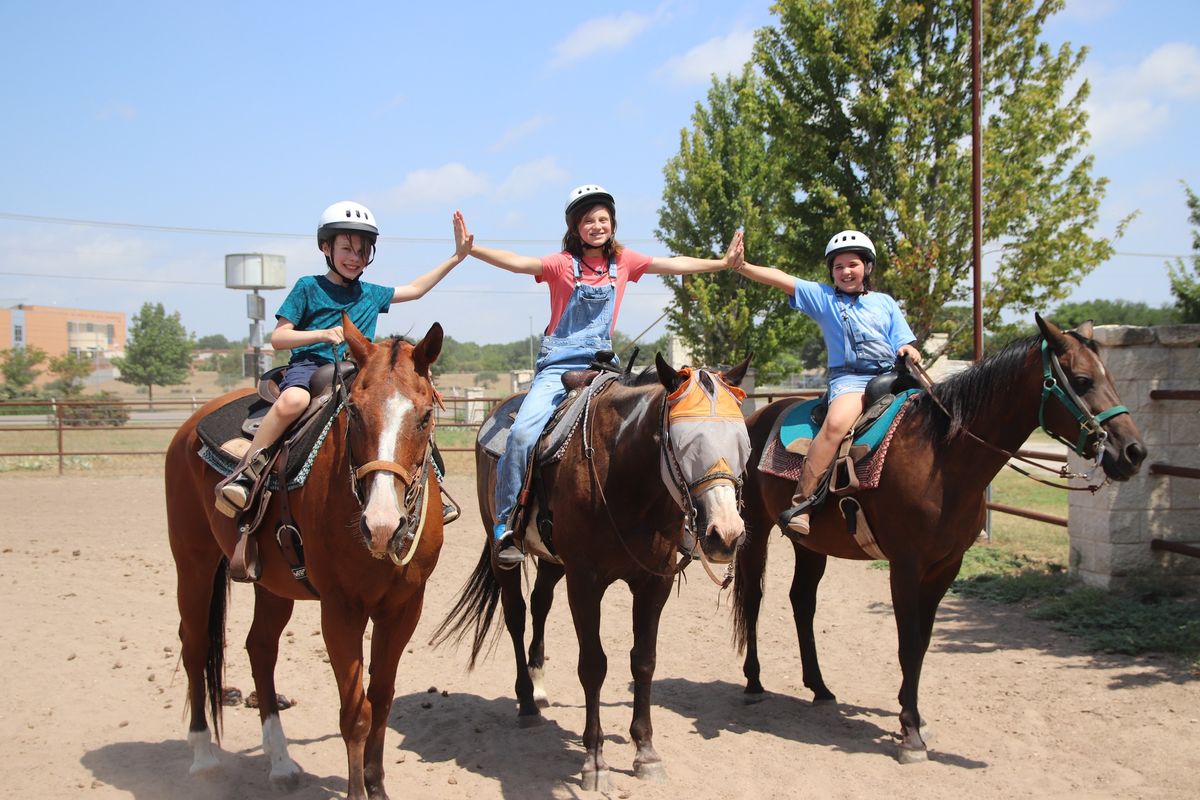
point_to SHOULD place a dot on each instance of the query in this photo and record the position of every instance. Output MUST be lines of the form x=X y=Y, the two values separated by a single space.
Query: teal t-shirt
x=316 y=303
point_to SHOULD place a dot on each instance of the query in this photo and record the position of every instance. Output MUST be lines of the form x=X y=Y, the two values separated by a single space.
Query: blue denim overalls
x=583 y=329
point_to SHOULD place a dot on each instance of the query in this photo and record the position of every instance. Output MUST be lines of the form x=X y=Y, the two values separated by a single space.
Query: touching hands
x=463 y=239
x=735 y=256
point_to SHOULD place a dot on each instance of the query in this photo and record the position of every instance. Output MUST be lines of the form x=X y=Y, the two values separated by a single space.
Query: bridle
x=415 y=480
x=1054 y=384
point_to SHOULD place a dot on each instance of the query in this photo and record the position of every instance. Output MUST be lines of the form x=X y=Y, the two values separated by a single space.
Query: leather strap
x=287 y=533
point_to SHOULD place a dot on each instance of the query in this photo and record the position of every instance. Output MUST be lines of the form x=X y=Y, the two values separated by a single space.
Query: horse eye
x=1081 y=384
x=425 y=418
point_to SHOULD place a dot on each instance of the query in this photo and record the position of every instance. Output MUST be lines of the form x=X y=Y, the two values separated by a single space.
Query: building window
x=18 y=334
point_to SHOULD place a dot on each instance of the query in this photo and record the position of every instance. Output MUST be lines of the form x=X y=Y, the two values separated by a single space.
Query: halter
x=414 y=481
x=1055 y=383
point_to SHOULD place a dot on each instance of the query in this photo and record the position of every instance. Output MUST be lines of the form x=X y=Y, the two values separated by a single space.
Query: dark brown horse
x=362 y=502
x=929 y=504
x=617 y=517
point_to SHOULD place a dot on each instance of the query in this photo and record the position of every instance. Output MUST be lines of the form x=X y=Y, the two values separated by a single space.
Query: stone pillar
x=1111 y=530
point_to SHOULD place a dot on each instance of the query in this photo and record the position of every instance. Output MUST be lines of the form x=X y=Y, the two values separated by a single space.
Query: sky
x=145 y=141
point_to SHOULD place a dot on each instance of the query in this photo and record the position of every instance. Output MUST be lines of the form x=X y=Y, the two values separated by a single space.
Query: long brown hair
x=574 y=245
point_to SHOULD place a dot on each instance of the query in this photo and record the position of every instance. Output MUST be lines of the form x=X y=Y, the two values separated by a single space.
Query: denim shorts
x=847 y=382
x=299 y=373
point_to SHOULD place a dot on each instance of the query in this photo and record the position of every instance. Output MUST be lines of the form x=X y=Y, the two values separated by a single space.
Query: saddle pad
x=225 y=423
x=493 y=433
x=796 y=423
x=778 y=461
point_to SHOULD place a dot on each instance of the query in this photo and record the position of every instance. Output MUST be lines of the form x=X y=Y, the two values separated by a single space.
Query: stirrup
x=508 y=555
x=796 y=521
x=450 y=509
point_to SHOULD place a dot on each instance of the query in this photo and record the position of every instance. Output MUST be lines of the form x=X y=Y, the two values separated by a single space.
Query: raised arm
x=769 y=276
x=686 y=265
x=420 y=286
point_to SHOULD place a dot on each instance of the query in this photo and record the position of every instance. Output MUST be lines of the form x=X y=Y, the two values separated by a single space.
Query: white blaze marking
x=383 y=509
x=204 y=756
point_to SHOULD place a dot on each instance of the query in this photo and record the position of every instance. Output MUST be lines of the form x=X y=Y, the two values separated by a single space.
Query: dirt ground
x=93 y=697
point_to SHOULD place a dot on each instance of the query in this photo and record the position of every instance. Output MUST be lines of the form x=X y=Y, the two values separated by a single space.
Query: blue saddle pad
x=797 y=423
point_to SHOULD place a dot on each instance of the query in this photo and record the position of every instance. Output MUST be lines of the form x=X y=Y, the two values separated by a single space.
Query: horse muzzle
x=719 y=519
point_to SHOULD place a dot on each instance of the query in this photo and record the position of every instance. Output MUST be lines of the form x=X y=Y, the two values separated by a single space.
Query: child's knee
x=292 y=402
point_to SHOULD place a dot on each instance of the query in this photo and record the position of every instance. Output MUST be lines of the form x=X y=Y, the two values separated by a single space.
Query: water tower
x=255 y=271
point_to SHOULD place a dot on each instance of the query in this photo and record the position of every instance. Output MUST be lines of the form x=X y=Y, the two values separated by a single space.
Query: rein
x=414 y=483
x=1054 y=384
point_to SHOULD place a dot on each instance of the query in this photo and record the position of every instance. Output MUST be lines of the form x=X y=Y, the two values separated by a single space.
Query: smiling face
x=595 y=227
x=350 y=254
x=848 y=271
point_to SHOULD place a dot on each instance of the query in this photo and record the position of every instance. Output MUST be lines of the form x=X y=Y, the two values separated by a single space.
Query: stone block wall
x=1111 y=530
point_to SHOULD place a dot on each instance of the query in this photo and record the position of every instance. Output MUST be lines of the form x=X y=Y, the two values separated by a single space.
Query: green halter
x=1054 y=382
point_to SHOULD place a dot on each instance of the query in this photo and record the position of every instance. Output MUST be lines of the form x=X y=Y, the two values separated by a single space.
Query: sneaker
x=449 y=513
x=234 y=496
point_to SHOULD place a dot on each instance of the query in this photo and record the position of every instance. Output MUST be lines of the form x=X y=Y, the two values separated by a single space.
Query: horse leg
x=810 y=568
x=540 y=601
x=201 y=595
x=343 y=624
x=584 y=593
x=916 y=601
x=648 y=601
x=513 y=604
x=389 y=636
x=271 y=616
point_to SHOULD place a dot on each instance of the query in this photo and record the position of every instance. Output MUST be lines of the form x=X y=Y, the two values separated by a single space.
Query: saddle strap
x=856 y=524
x=287 y=533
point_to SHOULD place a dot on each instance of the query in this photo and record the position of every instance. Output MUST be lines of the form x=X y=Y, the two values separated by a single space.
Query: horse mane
x=964 y=393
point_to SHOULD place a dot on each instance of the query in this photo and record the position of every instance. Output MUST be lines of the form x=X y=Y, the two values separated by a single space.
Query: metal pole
x=977 y=175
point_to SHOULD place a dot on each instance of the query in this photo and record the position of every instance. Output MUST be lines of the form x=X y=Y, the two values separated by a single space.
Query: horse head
x=1089 y=416
x=391 y=422
x=705 y=449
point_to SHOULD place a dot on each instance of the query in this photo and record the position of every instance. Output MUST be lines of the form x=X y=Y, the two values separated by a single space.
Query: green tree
x=69 y=371
x=725 y=176
x=158 y=352
x=1112 y=312
x=870 y=102
x=19 y=365
x=213 y=341
x=1185 y=287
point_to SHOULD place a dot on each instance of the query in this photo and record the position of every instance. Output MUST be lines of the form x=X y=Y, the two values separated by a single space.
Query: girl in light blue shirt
x=864 y=332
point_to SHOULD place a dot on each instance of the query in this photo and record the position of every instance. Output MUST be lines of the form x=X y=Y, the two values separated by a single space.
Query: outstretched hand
x=463 y=239
x=735 y=256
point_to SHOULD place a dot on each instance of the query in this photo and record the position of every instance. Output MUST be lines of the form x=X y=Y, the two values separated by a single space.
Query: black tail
x=214 y=668
x=476 y=607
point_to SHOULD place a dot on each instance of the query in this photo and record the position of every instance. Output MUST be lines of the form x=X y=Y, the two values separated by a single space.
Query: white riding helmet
x=588 y=192
x=346 y=217
x=847 y=241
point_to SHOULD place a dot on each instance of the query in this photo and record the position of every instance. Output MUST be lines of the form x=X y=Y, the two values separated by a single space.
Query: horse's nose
x=1135 y=454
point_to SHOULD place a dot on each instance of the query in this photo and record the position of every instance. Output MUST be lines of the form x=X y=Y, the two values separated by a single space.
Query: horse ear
x=360 y=348
x=736 y=374
x=1086 y=330
x=1053 y=334
x=427 y=350
x=668 y=376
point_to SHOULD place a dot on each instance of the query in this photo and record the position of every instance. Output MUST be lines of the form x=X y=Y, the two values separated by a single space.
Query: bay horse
x=367 y=486
x=929 y=505
x=617 y=516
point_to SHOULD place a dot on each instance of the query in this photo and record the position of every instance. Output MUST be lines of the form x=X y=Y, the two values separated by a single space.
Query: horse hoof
x=541 y=701
x=596 y=780
x=908 y=756
x=285 y=781
x=824 y=701
x=650 y=772
x=529 y=720
x=753 y=698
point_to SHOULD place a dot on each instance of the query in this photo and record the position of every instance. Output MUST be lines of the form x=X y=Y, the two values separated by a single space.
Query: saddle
x=859 y=460
x=226 y=434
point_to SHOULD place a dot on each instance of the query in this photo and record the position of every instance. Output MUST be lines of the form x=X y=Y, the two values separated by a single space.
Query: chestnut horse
x=367 y=487
x=617 y=516
x=929 y=505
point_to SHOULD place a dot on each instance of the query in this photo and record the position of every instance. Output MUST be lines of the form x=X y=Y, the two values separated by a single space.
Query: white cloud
x=721 y=56
x=526 y=180
x=1129 y=104
x=1088 y=10
x=440 y=186
x=600 y=34
x=520 y=131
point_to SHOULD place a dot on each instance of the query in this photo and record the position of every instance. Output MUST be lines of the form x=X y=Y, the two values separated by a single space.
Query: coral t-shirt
x=558 y=273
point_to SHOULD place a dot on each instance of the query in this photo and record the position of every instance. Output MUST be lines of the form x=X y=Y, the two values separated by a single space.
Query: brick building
x=99 y=334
